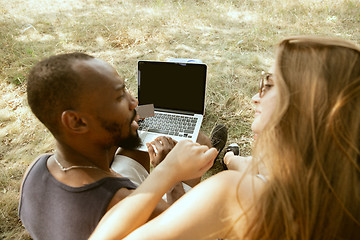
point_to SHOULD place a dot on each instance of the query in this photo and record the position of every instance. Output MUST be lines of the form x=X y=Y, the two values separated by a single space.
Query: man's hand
x=163 y=146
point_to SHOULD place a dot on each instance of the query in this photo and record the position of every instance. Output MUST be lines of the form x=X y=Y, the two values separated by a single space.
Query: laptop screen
x=172 y=86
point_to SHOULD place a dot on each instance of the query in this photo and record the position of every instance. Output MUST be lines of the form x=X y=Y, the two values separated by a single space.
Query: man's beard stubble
x=114 y=129
x=131 y=142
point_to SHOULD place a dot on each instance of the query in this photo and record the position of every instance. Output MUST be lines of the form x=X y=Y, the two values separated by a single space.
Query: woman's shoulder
x=237 y=186
x=241 y=179
x=233 y=193
x=230 y=191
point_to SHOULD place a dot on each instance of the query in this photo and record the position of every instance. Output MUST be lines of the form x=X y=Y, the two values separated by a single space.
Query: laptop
x=177 y=91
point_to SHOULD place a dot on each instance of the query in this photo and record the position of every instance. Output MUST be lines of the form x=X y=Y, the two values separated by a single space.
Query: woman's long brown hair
x=311 y=147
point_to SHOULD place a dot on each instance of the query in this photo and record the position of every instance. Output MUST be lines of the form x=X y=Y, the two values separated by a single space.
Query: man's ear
x=74 y=122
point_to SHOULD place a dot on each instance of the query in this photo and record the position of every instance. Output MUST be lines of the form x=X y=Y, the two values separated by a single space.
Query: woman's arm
x=187 y=160
x=237 y=163
x=245 y=165
x=208 y=211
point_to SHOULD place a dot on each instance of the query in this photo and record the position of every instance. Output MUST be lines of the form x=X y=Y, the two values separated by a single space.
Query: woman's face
x=264 y=104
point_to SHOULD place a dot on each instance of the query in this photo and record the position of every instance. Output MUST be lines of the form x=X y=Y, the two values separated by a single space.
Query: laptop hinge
x=175 y=111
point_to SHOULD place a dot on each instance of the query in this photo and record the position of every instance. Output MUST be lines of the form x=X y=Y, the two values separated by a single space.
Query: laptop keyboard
x=175 y=125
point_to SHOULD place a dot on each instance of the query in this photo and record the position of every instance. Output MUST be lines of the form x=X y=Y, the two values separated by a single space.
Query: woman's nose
x=256 y=98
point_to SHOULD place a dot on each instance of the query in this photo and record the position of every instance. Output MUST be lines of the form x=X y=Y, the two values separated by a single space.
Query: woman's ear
x=74 y=122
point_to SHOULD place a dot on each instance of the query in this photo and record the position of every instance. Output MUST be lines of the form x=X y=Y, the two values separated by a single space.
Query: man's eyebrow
x=120 y=87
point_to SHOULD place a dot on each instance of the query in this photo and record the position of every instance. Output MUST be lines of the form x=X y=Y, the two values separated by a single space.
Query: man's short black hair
x=53 y=87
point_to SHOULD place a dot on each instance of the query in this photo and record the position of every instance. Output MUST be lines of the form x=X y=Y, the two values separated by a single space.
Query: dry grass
x=235 y=39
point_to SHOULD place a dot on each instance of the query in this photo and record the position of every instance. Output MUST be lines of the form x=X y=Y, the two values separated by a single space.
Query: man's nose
x=133 y=102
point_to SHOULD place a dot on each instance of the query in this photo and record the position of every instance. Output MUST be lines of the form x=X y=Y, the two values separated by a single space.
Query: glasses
x=265 y=83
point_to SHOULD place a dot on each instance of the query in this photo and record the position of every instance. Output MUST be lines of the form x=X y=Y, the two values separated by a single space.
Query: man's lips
x=135 y=119
x=135 y=124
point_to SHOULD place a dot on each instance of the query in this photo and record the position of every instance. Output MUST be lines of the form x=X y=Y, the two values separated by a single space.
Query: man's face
x=109 y=108
x=115 y=130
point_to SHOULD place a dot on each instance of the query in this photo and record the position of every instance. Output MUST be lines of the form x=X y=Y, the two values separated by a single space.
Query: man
x=85 y=105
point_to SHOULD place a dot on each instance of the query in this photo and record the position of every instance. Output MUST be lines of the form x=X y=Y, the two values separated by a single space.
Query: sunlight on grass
x=35 y=37
x=234 y=38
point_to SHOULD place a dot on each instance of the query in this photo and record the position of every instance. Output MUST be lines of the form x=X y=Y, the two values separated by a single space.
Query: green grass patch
x=234 y=38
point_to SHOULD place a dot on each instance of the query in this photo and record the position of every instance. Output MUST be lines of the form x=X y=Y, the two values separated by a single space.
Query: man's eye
x=120 y=97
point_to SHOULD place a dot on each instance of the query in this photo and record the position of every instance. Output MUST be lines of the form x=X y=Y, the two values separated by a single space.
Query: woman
x=308 y=119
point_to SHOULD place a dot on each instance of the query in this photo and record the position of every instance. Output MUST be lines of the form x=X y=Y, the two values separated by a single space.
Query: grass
x=234 y=38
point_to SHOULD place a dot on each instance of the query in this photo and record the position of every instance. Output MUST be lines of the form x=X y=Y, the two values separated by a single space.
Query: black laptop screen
x=172 y=86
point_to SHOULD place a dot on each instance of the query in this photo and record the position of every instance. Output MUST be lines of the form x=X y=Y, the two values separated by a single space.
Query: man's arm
x=163 y=146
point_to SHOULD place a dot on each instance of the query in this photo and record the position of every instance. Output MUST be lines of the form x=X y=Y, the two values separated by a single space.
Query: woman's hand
x=188 y=160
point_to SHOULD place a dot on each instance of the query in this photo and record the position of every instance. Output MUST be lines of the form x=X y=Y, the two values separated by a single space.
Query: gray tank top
x=50 y=209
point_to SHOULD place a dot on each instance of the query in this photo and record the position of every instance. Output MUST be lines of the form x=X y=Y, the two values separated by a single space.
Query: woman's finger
x=228 y=156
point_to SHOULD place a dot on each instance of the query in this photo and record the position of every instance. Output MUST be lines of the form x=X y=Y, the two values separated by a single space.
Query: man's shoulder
x=119 y=195
x=42 y=157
